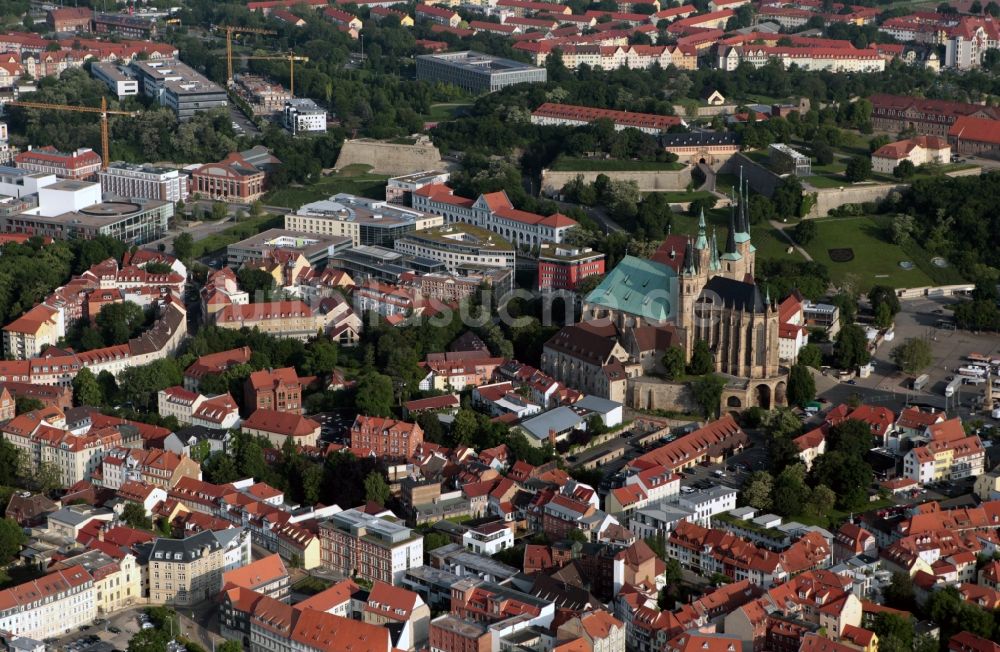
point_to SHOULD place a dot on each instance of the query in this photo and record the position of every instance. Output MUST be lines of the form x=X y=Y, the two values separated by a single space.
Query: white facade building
x=143 y=182
x=302 y=115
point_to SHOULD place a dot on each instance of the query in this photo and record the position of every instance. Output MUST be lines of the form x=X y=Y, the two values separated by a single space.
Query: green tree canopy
x=912 y=356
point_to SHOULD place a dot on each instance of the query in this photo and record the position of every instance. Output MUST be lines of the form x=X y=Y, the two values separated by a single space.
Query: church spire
x=731 y=236
x=690 y=262
x=702 y=241
x=714 y=263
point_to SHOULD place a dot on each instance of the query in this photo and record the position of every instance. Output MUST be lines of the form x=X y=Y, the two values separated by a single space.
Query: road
x=198 y=232
x=595 y=213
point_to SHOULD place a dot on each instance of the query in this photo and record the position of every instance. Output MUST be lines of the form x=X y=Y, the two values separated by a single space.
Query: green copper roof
x=638 y=287
x=702 y=241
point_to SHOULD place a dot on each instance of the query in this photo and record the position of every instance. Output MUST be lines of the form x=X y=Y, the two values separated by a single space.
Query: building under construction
x=264 y=96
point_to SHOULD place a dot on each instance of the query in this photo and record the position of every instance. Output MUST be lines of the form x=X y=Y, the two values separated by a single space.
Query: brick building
x=240 y=177
x=562 y=267
x=274 y=389
x=386 y=437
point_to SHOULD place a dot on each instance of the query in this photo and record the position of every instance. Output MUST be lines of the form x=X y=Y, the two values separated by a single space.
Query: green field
x=355 y=180
x=876 y=260
x=242 y=230
x=446 y=111
x=826 y=182
x=572 y=164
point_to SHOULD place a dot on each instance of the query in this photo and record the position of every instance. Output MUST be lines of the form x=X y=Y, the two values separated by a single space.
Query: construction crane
x=291 y=58
x=103 y=110
x=230 y=30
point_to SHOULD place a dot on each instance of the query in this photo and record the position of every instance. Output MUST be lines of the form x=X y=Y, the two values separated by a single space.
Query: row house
x=157 y=467
x=192 y=408
x=53 y=605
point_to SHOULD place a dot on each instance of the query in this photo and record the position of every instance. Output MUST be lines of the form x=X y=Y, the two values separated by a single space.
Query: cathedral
x=696 y=290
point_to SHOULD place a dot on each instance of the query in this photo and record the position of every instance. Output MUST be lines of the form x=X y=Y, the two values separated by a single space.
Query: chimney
x=552 y=437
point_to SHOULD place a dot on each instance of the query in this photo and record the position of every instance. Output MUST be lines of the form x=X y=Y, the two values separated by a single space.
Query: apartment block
x=949 y=455
x=183 y=572
x=373 y=548
x=53 y=605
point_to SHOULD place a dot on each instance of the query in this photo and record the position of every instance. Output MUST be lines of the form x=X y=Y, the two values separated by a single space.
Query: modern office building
x=362 y=545
x=382 y=264
x=461 y=247
x=476 y=72
x=178 y=87
x=302 y=115
x=131 y=181
x=364 y=221
x=317 y=248
x=117 y=77
x=132 y=222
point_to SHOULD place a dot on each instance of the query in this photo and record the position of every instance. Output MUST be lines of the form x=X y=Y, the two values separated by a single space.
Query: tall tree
x=374 y=395
x=86 y=390
x=701 y=359
x=376 y=488
x=707 y=392
x=913 y=355
x=801 y=385
x=851 y=348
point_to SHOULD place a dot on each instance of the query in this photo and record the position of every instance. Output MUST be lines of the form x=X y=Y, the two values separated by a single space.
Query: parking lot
x=888 y=386
x=104 y=630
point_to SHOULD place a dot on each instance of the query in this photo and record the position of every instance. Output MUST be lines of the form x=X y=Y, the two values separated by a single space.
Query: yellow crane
x=291 y=58
x=230 y=30
x=103 y=111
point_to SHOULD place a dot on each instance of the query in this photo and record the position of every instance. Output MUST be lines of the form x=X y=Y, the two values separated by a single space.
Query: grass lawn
x=244 y=229
x=831 y=168
x=876 y=260
x=353 y=179
x=446 y=111
x=826 y=182
x=572 y=164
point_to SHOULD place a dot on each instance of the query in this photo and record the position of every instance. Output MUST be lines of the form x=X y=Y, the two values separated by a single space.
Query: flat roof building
x=317 y=248
x=364 y=221
x=178 y=87
x=131 y=181
x=477 y=72
x=382 y=264
x=302 y=115
x=132 y=222
x=117 y=78
x=461 y=247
